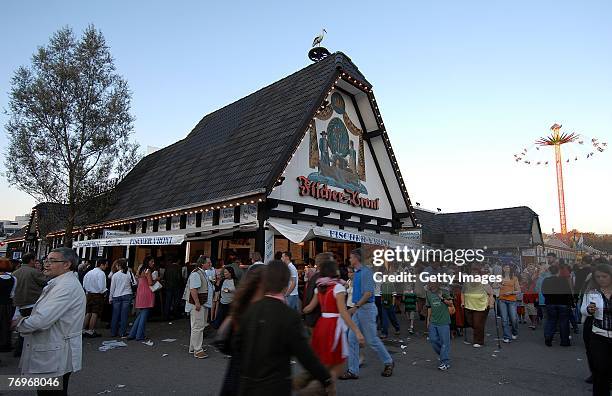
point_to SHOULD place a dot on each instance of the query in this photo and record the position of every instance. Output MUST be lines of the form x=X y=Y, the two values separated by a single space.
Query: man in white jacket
x=52 y=333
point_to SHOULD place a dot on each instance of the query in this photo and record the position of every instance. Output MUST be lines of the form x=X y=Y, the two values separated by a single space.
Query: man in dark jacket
x=269 y=334
x=173 y=284
x=30 y=283
x=558 y=297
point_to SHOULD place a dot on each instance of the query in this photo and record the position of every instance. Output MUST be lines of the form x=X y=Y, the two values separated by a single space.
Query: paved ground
x=525 y=367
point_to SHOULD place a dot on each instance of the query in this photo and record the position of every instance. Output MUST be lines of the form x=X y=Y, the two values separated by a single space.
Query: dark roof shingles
x=510 y=227
x=231 y=151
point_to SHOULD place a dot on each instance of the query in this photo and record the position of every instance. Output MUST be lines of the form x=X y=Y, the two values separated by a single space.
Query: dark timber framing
x=296 y=213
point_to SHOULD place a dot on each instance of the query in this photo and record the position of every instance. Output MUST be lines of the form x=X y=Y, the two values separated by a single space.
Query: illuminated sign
x=322 y=191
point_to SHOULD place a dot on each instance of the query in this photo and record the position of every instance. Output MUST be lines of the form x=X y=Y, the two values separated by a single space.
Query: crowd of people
x=263 y=315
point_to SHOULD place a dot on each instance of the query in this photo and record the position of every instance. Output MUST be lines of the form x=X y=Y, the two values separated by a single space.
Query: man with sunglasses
x=52 y=332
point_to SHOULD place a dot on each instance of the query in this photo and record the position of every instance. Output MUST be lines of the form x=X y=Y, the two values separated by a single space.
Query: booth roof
x=17 y=235
x=236 y=150
x=509 y=227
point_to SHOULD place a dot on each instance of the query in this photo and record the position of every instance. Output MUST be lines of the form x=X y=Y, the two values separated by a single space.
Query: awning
x=297 y=233
x=151 y=239
x=175 y=237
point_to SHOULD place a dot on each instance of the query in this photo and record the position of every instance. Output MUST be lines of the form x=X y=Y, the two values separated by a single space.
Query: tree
x=69 y=124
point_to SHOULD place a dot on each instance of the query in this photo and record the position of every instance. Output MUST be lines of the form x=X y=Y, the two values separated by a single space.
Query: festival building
x=303 y=165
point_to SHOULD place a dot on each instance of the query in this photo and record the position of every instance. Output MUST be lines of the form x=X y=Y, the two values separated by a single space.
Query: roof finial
x=317 y=52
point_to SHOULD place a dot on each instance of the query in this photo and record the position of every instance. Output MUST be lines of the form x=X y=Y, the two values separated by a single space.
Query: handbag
x=156 y=286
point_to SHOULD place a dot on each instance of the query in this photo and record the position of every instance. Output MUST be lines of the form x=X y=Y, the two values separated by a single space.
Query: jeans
x=439 y=337
x=292 y=302
x=138 y=328
x=379 y=318
x=365 y=320
x=557 y=316
x=170 y=301
x=572 y=318
x=388 y=314
x=121 y=310
x=507 y=311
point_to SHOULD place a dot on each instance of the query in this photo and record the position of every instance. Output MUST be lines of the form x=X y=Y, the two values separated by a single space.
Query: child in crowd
x=439 y=309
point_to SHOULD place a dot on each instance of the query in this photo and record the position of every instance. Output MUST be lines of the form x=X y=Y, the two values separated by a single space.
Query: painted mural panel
x=336 y=148
x=334 y=164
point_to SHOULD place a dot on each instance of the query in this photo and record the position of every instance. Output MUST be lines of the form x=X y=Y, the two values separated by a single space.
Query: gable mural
x=333 y=166
x=336 y=148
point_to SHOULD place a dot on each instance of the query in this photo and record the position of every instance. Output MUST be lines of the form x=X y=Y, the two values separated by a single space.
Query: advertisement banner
x=207 y=219
x=248 y=214
x=412 y=235
x=226 y=216
x=176 y=223
x=113 y=233
x=191 y=221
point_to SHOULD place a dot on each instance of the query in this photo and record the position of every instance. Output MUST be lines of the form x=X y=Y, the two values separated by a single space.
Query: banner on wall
x=191 y=221
x=113 y=233
x=412 y=235
x=207 y=219
x=176 y=223
x=132 y=241
x=226 y=216
x=248 y=214
x=149 y=226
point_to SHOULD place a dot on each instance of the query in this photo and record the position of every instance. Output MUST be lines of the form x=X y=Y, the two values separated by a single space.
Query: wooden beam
x=320 y=221
x=373 y=134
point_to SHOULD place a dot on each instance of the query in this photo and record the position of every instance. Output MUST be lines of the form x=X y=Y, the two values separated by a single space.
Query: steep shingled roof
x=232 y=151
x=506 y=227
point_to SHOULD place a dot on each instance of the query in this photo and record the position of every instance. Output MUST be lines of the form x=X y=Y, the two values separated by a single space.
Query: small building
x=14 y=246
x=552 y=244
x=510 y=232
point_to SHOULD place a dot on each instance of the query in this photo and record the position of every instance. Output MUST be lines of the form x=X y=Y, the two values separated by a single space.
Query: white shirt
x=293 y=275
x=95 y=281
x=121 y=285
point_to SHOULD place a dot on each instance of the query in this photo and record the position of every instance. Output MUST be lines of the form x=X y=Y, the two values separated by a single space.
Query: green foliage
x=70 y=124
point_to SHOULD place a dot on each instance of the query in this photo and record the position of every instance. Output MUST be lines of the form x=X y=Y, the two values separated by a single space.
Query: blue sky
x=461 y=85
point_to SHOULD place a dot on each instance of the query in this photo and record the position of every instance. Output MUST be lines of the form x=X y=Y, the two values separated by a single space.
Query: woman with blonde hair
x=477 y=299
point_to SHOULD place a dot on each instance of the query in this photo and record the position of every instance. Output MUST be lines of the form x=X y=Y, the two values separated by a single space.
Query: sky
x=461 y=85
